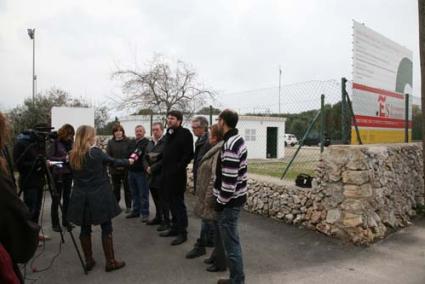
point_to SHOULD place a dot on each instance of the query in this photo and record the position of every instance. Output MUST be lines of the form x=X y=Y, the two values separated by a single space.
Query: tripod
x=55 y=195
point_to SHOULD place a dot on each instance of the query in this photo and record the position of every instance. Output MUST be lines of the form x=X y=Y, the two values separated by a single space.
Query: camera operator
x=28 y=147
x=62 y=175
x=18 y=235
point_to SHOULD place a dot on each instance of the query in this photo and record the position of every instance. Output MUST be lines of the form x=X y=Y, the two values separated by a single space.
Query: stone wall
x=360 y=194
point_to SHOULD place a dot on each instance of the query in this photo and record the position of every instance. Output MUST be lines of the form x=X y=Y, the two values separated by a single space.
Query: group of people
x=157 y=165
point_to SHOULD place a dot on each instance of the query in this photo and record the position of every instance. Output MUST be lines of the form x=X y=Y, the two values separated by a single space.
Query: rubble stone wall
x=360 y=193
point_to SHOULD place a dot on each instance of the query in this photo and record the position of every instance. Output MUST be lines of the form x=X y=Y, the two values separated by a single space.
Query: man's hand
x=148 y=170
x=131 y=161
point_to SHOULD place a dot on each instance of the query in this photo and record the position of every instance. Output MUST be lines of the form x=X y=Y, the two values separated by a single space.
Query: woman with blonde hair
x=92 y=200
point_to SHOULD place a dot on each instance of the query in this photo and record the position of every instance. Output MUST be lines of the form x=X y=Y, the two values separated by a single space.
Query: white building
x=264 y=135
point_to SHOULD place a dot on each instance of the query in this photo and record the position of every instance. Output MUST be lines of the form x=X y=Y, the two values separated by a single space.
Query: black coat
x=153 y=159
x=138 y=148
x=18 y=234
x=119 y=149
x=25 y=152
x=92 y=201
x=178 y=152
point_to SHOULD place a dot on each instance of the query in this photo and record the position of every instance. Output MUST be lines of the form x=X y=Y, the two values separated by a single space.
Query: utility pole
x=280 y=81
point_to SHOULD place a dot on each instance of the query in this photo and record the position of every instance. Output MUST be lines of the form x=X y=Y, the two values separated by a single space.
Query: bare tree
x=421 y=4
x=162 y=88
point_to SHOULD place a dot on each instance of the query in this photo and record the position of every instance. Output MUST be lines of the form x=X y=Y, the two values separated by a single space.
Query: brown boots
x=88 y=255
x=108 y=248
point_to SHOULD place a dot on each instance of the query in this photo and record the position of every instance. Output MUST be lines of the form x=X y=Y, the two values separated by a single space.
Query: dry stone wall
x=360 y=193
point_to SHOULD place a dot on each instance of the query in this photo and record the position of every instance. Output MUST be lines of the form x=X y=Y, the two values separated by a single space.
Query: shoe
x=43 y=237
x=128 y=210
x=209 y=260
x=56 y=228
x=214 y=268
x=224 y=281
x=163 y=227
x=108 y=249
x=132 y=215
x=154 y=221
x=169 y=233
x=144 y=219
x=181 y=238
x=87 y=251
x=196 y=252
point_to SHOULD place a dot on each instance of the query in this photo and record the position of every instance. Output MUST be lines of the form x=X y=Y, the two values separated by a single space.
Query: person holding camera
x=119 y=147
x=62 y=174
x=28 y=149
x=92 y=201
x=18 y=234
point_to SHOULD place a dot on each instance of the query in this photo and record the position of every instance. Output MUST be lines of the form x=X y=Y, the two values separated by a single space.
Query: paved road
x=273 y=252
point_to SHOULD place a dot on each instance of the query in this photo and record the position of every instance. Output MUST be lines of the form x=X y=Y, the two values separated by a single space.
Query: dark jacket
x=25 y=152
x=118 y=149
x=138 y=150
x=178 y=152
x=201 y=147
x=153 y=159
x=60 y=149
x=18 y=234
x=92 y=201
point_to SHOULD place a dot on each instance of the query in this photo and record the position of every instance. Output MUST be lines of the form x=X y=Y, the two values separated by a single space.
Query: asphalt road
x=273 y=253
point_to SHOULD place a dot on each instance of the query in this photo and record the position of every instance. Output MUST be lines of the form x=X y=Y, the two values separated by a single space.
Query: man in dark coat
x=200 y=130
x=27 y=148
x=153 y=164
x=178 y=152
x=137 y=178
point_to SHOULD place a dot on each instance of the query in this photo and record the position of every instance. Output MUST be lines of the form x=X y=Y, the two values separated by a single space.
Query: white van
x=290 y=139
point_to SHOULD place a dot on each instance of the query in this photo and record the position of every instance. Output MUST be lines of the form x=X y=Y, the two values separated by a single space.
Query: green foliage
x=28 y=114
x=206 y=111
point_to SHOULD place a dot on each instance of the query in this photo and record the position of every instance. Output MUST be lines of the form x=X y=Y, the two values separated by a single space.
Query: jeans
x=117 y=179
x=207 y=231
x=32 y=198
x=139 y=192
x=63 y=186
x=228 y=224
x=106 y=229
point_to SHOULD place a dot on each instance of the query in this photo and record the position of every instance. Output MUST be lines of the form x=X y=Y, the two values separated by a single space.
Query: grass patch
x=275 y=169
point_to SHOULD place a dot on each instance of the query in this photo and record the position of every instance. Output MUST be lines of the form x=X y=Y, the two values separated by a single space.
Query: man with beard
x=178 y=152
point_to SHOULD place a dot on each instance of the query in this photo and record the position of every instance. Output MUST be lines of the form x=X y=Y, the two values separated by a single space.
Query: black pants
x=117 y=179
x=106 y=229
x=63 y=186
x=32 y=198
x=162 y=210
x=178 y=212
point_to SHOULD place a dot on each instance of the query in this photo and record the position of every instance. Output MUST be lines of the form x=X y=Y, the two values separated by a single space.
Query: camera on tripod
x=41 y=136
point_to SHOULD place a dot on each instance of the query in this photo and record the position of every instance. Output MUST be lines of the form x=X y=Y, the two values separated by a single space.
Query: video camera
x=40 y=136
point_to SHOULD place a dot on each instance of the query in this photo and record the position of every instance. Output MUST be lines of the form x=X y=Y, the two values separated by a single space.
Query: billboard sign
x=382 y=75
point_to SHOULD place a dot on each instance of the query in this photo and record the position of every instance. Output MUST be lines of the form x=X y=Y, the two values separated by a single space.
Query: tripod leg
x=77 y=249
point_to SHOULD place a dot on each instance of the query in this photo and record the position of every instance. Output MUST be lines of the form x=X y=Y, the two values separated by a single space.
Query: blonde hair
x=81 y=146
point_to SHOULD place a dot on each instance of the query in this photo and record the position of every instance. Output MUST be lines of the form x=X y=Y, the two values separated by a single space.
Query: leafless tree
x=162 y=87
x=421 y=4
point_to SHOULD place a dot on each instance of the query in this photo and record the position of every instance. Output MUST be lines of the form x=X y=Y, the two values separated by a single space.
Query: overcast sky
x=234 y=45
